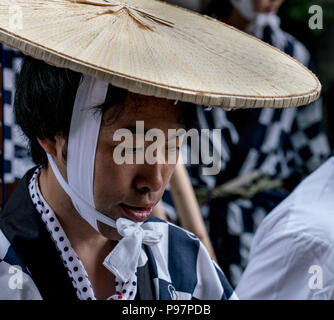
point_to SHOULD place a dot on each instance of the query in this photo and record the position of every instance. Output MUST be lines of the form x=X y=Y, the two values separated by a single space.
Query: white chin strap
x=82 y=142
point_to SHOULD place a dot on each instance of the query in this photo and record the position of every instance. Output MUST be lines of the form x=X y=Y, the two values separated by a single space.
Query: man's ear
x=48 y=146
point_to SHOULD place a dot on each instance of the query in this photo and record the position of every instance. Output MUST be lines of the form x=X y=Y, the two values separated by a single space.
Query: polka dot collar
x=72 y=263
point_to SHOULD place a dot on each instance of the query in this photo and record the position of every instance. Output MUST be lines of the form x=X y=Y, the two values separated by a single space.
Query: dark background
x=320 y=43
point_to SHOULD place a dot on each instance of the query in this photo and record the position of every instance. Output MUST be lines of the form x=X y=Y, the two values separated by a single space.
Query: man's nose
x=150 y=178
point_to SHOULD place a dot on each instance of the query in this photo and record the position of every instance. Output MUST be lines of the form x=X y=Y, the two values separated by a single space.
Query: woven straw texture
x=153 y=48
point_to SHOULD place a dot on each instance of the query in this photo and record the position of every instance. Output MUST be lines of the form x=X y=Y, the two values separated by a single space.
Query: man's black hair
x=44 y=102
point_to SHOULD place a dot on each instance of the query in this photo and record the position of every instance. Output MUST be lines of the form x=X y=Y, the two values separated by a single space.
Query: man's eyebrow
x=132 y=129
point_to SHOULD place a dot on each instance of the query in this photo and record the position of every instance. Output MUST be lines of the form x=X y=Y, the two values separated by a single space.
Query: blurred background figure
x=15 y=156
x=283 y=145
x=265 y=153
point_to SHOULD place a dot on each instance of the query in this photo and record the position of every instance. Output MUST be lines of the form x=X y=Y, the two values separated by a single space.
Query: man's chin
x=123 y=212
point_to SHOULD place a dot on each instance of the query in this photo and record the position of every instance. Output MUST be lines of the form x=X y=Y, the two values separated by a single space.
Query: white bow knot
x=128 y=228
x=128 y=253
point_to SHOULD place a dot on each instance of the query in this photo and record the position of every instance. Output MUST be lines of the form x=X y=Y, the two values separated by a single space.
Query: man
x=43 y=110
x=92 y=197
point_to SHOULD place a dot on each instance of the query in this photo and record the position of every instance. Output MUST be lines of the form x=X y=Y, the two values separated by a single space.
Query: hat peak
x=142 y=17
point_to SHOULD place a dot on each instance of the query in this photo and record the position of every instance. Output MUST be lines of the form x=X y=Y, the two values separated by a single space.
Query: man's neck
x=90 y=246
x=81 y=235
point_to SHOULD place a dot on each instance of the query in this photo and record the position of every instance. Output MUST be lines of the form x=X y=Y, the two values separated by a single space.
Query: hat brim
x=185 y=56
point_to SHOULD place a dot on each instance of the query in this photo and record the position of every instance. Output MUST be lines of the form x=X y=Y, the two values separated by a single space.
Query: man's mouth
x=137 y=213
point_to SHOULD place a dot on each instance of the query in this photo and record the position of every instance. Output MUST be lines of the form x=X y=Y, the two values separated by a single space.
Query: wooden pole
x=159 y=212
x=187 y=206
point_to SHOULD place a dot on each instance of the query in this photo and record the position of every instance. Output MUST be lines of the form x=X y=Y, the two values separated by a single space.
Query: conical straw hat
x=154 y=48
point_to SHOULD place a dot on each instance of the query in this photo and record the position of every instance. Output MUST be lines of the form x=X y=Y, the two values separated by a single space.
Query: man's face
x=267 y=6
x=132 y=190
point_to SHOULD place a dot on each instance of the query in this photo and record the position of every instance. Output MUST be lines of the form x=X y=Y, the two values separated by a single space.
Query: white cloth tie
x=128 y=254
x=82 y=143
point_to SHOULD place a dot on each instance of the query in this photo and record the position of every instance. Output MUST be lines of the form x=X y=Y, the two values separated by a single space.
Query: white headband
x=82 y=143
